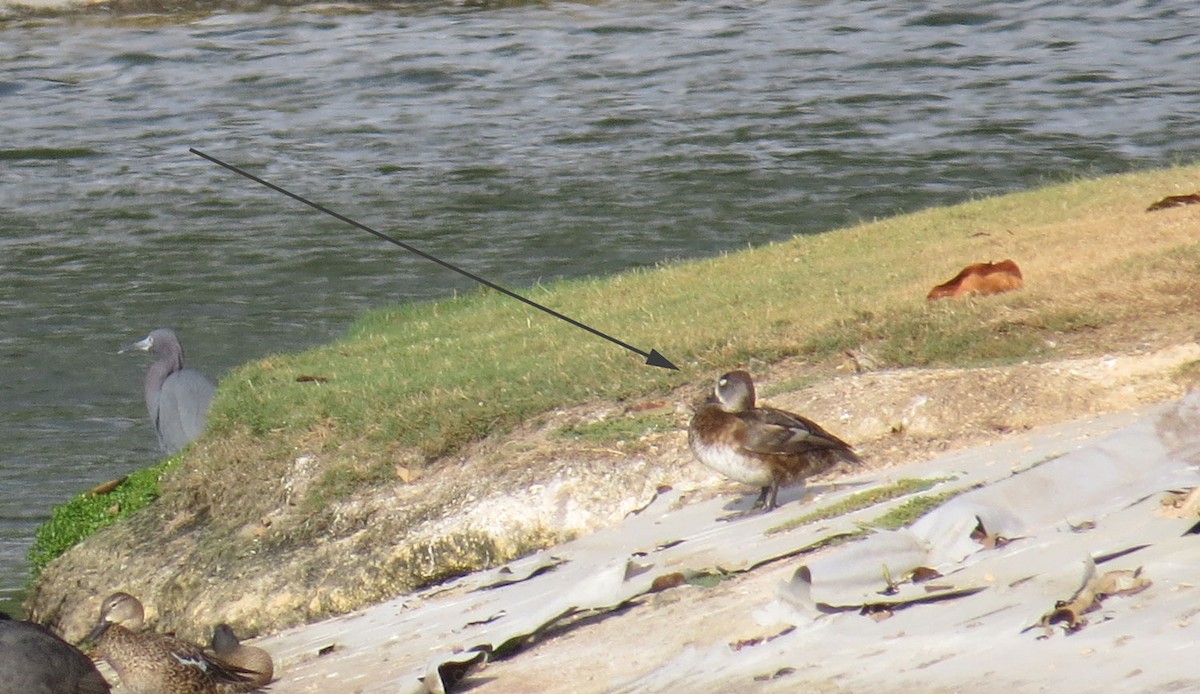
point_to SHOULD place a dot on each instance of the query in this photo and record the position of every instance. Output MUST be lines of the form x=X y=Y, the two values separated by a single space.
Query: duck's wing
x=213 y=668
x=777 y=432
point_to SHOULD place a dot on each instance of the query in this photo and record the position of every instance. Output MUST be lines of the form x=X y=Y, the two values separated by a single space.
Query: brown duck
x=152 y=663
x=761 y=446
x=252 y=659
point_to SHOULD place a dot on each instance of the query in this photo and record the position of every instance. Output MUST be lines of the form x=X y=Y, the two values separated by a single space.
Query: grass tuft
x=907 y=513
x=616 y=429
x=861 y=500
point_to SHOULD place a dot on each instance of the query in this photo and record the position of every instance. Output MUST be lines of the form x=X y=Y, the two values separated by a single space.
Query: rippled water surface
x=522 y=143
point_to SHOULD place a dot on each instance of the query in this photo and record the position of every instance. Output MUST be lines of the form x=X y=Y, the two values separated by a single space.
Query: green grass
x=617 y=429
x=907 y=513
x=344 y=478
x=901 y=516
x=431 y=377
x=436 y=376
x=950 y=333
x=85 y=514
x=707 y=580
x=790 y=385
x=861 y=500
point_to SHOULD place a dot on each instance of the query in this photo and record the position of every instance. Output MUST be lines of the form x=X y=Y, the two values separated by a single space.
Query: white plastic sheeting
x=1037 y=510
x=979 y=626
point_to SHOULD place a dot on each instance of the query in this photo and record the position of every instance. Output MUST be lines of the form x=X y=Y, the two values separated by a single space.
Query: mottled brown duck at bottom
x=252 y=659
x=760 y=446
x=152 y=663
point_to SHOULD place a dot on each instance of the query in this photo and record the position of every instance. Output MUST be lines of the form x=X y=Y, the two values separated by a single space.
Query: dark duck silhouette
x=761 y=446
x=35 y=660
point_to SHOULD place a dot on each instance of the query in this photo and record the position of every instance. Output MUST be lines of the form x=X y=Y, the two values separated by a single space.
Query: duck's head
x=734 y=392
x=223 y=639
x=118 y=608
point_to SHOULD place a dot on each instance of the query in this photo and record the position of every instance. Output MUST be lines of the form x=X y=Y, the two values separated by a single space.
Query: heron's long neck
x=157 y=374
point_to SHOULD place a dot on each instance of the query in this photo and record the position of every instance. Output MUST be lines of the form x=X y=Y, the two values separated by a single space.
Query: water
x=522 y=143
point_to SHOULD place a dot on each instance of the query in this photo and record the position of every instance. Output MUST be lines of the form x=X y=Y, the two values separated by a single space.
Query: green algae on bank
x=75 y=520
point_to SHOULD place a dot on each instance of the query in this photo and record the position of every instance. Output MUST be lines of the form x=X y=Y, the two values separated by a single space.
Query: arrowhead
x=656 y=359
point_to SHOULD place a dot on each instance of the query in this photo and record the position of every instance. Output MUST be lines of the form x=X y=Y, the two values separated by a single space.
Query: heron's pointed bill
x=141 y=345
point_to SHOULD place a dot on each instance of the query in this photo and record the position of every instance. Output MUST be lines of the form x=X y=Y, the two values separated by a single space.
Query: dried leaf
x=1174 y=201
x=312 y=379
x=667 y=582
x=106 y=487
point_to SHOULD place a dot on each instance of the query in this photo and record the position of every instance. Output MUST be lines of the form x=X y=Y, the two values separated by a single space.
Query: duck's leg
x=767 y=496
x=761 y=501
x=766 y=500
x=771 y=492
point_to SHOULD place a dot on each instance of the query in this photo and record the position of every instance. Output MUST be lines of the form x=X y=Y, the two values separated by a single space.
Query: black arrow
x=653 y=358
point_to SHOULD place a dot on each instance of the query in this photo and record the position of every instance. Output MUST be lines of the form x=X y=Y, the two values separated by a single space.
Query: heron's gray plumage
x=177 y=398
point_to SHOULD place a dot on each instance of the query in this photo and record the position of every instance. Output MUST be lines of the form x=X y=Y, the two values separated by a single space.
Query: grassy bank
x=426 y=379
x=412 y=385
